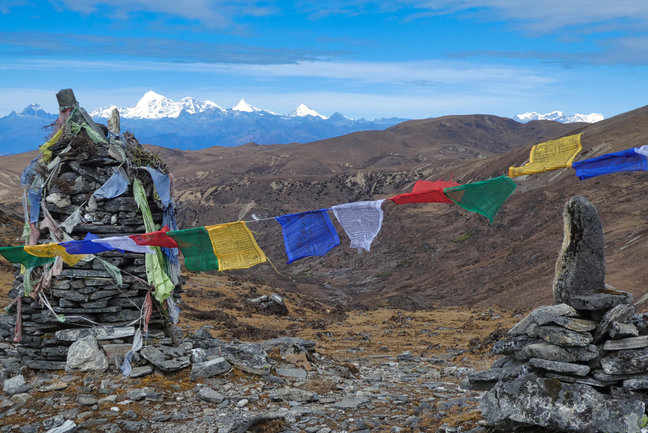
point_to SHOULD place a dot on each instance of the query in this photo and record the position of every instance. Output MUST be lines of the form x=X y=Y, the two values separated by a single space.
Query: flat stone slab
x=563 y=337
x=100 y=333
x=603 y=376
x=622 y=313
x=157 y=358
x=575 y=324
x=620 y=330
x=39 y=364
x=542 y=315
x=351 y=402
x=560 y=367
x=293 y=394
x=141 y=371
x=632 y=361
x=509 y=344
x=210 y=368
x=298 y=373
x=585 y=380
x=283 y=342
x=111 y=309
x=247 y=357
x=627 y=343
x=552 y=352
x=636 y=384
x=600 y=301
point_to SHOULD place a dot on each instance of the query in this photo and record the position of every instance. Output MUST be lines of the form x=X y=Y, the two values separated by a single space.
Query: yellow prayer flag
x=234 y=246
x=53 y=250
x=550 y=155
x=45 y=148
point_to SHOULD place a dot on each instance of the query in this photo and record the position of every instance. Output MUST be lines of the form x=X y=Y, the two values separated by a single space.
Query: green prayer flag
x=19 y=255
x=197 y=249
x=114 y=271
x=484 y=197
x=154 y=262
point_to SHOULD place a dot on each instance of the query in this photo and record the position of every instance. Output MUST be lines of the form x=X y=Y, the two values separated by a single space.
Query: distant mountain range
x=559 y=116
x=191 y=124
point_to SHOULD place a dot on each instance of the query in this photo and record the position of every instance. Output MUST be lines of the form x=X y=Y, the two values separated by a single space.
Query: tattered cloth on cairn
x=90 y=188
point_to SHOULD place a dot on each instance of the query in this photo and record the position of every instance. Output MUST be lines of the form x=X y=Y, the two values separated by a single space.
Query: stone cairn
x=580 y=365
x=86 y=294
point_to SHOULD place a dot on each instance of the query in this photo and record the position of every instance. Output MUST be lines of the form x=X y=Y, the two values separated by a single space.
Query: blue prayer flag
x=34 y=195
x=85 y=246
x=308 y=234
x=624 y=160
x=115 y=186
x=162 y=184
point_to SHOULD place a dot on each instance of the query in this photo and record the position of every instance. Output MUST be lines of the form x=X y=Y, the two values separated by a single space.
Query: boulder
x=85 y=354
x=247 y=357
x=531 y=401
x=210 y=368
x=580 y=268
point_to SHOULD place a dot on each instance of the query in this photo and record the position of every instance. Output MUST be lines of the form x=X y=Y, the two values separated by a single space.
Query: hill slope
x=425 y=254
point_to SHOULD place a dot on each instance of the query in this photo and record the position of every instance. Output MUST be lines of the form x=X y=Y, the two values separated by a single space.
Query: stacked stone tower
x=83 y=182
x=578 y=365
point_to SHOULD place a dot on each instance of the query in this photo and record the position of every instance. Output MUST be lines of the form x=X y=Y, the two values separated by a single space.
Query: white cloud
x=540 y=16
x=213 y=13
x=545 y=16
x=430 y=74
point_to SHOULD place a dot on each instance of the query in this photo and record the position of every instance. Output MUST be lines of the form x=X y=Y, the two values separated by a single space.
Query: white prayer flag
x=361 y=220
x=124 y=243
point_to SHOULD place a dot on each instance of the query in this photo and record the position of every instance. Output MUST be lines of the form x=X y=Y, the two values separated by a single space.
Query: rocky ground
x=368 y=371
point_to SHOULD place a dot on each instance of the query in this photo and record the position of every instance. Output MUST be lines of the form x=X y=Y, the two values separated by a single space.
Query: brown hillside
x=425 y=254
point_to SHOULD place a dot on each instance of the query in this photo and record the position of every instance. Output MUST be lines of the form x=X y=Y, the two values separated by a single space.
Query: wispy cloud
x=631 y=50
x=212 y=13
x=65 y=45
x=425 y=74
x=543 y=17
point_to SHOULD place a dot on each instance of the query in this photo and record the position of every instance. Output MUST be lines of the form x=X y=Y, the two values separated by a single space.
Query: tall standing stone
x=580 y=268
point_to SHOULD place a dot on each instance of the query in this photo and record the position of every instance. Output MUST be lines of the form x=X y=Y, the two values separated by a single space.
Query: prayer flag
x=123 y=243
x=625 y=160
x=550 y=155
x=45 y=147
x=85 y=246
x=308 y=234
x=361 y=221
x=162 y=183
x=54 y=250
x=196 y=246
x=426 y=191
x=234 y=246
x=115 y=186
x=484 y=197
x=154 y=262
x=156 y=239
x=19 y=255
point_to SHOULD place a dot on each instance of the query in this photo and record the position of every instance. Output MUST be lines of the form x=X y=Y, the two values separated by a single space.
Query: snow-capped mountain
x=34 y=110
x=559 y=116
x=155 y=106
x=245 y=107
x=303 y=111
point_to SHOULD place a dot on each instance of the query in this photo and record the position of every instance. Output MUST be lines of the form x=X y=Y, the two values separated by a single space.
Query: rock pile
x=85 y=176
x=579 y=365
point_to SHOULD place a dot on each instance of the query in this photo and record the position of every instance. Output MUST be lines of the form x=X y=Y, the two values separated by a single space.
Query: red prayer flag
x=426 y=191
x=156 y=239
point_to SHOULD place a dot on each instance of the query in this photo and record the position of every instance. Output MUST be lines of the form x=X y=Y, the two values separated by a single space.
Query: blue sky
x=404 y=58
